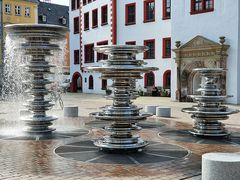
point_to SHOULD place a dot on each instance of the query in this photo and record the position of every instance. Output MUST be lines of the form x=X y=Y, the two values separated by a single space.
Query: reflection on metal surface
x=123 y=70
x=38 y=43
x=209 y=110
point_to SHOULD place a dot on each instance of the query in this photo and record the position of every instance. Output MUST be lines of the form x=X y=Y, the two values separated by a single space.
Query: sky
x=62 y=2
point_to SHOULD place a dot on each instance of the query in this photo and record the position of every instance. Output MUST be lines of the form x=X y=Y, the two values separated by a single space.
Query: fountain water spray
x=123 y=70
x=209 y=110
x=38 y=42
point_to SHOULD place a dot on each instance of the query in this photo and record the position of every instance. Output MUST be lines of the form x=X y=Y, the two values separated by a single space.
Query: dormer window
x=44 y=18
x=63 y=20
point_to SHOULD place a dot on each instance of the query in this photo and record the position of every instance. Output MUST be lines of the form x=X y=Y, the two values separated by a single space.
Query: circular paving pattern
x=185 y=136
x=54 y=135
x=155 y=152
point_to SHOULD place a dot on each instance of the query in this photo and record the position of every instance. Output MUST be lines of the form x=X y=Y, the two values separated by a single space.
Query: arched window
x=149 y=79
x=167 y=79
x=90 y=82
x=104 y=84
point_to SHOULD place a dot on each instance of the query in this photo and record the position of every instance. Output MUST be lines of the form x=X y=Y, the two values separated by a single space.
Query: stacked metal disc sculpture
x=38 y=42
x=123 y=70
x=209 y=110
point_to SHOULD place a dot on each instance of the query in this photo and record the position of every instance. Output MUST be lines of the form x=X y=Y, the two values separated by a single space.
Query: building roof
x=54 y=14
x=33 y=1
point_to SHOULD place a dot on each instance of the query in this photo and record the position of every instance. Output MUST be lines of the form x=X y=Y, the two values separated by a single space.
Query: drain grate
x=155 y=152
x=185 y=136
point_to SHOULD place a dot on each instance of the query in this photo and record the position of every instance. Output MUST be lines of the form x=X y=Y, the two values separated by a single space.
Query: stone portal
x=199 y=52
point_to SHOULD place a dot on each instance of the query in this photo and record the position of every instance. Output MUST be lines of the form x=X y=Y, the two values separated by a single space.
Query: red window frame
x=101 y=56
x=165 y=53
x=165 y=7
x=104 y=84
x=166 y=81
x=90 y=82
x=104 y=15
x=84 y=2
x=88 y=53
x=86 y=21
x=76 y=25
x=145 y=5
x=203 y=7
x=94 y=21
x=127 y=14
x=147 y=82
x=76 y=56
x=146 y=53
x=131 y=43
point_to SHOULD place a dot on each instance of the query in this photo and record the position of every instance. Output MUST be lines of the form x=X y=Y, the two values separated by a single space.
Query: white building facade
x=198 y=27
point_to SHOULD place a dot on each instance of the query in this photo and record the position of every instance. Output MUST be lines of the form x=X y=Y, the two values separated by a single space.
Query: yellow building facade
x=17 y=12
x=20 y=11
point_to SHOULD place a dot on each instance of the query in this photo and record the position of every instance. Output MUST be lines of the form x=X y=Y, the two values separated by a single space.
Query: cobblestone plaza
x=172 y=152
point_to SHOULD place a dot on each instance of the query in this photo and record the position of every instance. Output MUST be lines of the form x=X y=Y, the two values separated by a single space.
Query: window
x=131 y=43
x=86 y=21
x=166 y=9
x=149 y=10
x=130 y=14
x=104 y=15
x=73 y=5
x=166 y=53
x=89 y=1
x=101 y=56
x=149 y=79
x=201 y=6
x=76 y=56
x=95 y=18
x=44 y=18
x=90 y=82
x=167 y=79
x=18 y=10
x=8 y=8
x=76 y=25
x=84 y=2
x=104 y=84
x=150 y=54
x=27 y=11
x=89 y=53
x=78 y=4
x=63 y=20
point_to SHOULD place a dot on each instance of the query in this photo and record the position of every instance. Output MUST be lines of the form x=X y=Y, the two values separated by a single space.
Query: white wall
x=144 y=31
x=101 y=33
x=223 y=21
x=74 y=41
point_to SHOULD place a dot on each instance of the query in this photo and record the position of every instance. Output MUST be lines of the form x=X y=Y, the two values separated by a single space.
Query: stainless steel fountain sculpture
x=123 y=70
x=209 y=110
x=38 y=42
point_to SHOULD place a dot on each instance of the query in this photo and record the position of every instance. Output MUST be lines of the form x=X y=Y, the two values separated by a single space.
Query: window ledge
x=148 y=21
x=87 y=29
x=200 y=12
x=166 y=18
x=103 y=24
x=147 y=58
x=93 y=27
x=76 y=33
x=129 y=24
x=166 y=57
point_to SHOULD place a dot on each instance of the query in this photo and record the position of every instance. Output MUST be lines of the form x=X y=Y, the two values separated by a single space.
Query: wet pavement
x=172 y=153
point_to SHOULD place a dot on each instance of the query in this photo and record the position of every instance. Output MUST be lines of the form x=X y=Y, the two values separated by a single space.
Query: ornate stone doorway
x=199 y=52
